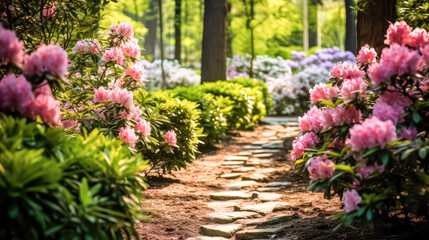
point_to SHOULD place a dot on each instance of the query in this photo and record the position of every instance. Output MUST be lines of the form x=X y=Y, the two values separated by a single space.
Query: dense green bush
x=260 y=85
x=166 y=113
x=56 y=186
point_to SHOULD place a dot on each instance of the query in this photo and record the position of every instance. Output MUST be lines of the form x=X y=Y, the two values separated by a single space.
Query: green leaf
x=13 y=211
x=369 y=215
x=416 y=117
x=407 y=153
x=369 y=152
x=345 y=168
x=423 y=153
x=385 y=158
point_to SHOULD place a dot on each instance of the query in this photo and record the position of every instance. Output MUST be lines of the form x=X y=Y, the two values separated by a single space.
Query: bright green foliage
x=73 y=20
x=56 y=186
x=260 y=85
x=414 y=12
x=167 y=113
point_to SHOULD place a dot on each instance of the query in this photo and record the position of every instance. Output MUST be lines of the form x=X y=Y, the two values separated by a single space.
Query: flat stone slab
x=232 y=195
x=253 y=162
x=236 y=158
x=268 y=170
x=229 y=217
x=254 y=177
x=282 y=218
x=259 y=142
x=233 y=163
x=221 y=230
x=261 y=208
x=261 y=151
x=240 y=185
x=257 y=233
x=273 y=145
x=245 y=154
x=231 y=175
x=206 y=238
x=243 y=169
x=263 y=155
x=224 y=206
x=279 y=184
x=269 y=189
x=252 y=147
x=269 y=197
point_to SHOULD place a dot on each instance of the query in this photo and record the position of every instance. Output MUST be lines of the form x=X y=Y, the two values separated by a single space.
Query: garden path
x=245 y=189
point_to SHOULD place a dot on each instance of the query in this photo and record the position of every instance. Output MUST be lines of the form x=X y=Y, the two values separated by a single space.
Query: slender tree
x=312 y=22
x=151 y=22
x=305 y=25
x=213 y=61
x=350 y=27
x=177 y=30
x=229 y=33
x=373 y=20
x=161 y=43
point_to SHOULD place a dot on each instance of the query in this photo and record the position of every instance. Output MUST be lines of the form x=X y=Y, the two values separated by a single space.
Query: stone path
x=246 y=207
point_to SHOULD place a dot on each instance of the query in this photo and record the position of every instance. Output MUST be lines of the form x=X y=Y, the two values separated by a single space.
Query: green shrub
x=167 y=113
x=213 y=110
x=58 y=187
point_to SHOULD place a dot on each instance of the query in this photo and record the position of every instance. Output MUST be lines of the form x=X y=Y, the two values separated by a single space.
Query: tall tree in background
x=305 y=25
x=152 y=25
x=213 y=60
x=249 y=7
x=373 y=21
x=312 y=23
x=177 y=30
x=350 y=27
x=161 y=43
x=229 y=33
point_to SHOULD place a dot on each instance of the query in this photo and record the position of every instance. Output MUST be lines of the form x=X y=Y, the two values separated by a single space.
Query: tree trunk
x=350 y=27
x=252 y=37
x=305 y=25
x=213 y=61
x=229 y=33
x=177 y=30
x=312 y=23
x=161 y=43
x=152 y=24
x=373 y=22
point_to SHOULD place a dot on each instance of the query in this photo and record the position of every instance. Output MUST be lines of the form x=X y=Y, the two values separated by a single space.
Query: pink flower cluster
x=310 y=120
x=113 y=55
x=321 y=91
x=16 y=94
x=131 y=48
x=371 y=133
x=46 y=59
x=10 y=48
x=136 y=72
x=128 y=135
x=87 y=46
x=384 y=112
x=397 y=33
x=308 y=140
x=365 y=170
x=49 y=12
x=418 y=38
x=353 y=88
x=346 y=70
x=351 y=200
x=144 y=127
x=367 y=55
x=117 y=95
x=395 y=60
x=320 y=168
x=409 y=134
x=123 y=29
x=170 y=138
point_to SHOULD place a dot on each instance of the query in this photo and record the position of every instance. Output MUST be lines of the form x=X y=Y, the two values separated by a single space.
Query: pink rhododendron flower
x=307 y=140
x=366 y=55
x=87 y=46
x=112 y=29
x=144 y=127
x=125 y=29
x=351 y=200
x=418 y=38
x=103 y=70
x=321 y=91
x=78 y=75
x=353 y=88
x=128 y=136
x=113 y=55
x=310 y=120
x=45 y=106
x=124 y=115
x=384 y=112
x=395 y=99
x=365 y=170
x=346 y=70
x=10 y=47
x=136 y=72
x=339 y=116
x=69 y=123
x=170 y=138
x=320 y=168
x=49 y=12
x=100 y=95
x=135 y=112
x=47 y=58
x=371 y=133
x=397 y=33
x=15 y=93
x=409 y=134
x=121 y=96
x=131 y=48
x=395 y=60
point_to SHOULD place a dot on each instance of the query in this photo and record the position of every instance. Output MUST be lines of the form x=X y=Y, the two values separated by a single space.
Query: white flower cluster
x=175 y=75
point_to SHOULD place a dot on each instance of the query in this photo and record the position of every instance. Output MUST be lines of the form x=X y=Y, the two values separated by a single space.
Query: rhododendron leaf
x=344 y=150
x=336 y=176
x=361 y=211
x=332 y=153
x=424 y=177
x=346 y=168
x=370 y=152
x=369 y=215
x=416 y=117
x=312 y=186
x=328 y=103
x=385 y=158
x=338 y=102
x=325 y=146
x=407 y=153
x=423 y=153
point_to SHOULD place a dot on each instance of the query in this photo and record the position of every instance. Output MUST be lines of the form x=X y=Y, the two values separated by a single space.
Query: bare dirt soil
x=177 y=204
